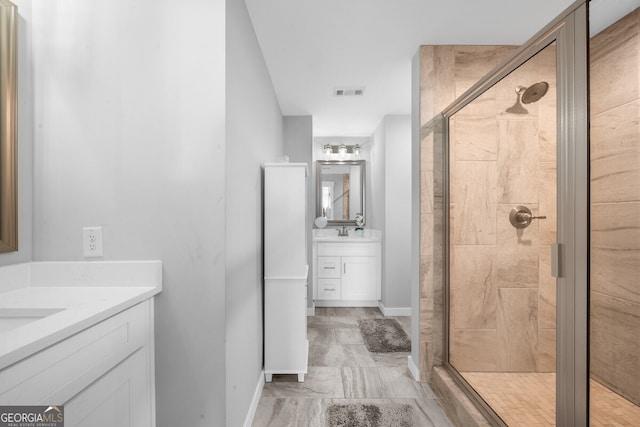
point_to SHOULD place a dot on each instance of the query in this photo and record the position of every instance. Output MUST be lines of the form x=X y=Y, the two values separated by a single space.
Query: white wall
x=130 y=135
x=391 y=201
x=254 y=136
x=25 y=138
x=298 y=145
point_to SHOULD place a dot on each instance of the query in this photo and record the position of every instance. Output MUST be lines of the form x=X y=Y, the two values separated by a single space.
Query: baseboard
x=394 y=311
x=341 y=303
x=251 y=413
x=413 y=368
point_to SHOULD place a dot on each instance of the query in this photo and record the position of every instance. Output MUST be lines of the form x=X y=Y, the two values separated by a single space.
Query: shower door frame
x=571 y=252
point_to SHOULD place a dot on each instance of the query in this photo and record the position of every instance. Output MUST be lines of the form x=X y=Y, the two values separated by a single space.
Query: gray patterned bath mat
x=367 y=415
x=384 y=336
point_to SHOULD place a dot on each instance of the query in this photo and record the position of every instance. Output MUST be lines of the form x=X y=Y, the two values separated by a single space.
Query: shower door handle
x=521 y=217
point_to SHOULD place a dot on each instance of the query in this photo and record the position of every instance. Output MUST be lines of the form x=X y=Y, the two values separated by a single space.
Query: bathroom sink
x=331 y=235
x=12 y=318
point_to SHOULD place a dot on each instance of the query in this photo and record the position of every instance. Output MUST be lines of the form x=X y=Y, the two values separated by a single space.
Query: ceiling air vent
x=349 y=91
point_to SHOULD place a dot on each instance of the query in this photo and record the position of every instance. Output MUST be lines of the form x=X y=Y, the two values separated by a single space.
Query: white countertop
x=331 y=235
x=85 y=293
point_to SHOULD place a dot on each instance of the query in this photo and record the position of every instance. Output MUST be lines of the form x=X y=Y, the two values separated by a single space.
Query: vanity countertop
x=42 y=303
x=331 y=235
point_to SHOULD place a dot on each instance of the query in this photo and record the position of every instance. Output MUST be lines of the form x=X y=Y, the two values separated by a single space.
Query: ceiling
x=312 y=47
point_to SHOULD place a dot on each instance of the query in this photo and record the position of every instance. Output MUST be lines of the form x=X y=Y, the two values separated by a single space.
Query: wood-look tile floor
x=342 y=370
x=529 y=399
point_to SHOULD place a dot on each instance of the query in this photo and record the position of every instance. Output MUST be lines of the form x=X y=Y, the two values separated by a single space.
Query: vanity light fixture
x=342 y=150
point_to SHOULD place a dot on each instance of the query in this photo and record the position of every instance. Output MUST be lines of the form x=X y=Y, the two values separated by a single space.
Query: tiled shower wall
x=484 y=144
x=445 y=73
x=615 y=207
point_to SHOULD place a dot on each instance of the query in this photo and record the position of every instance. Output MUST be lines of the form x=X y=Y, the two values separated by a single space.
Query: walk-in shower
x=503 y=304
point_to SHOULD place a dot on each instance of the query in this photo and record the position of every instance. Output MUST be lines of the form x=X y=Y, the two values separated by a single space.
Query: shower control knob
x=521 y=217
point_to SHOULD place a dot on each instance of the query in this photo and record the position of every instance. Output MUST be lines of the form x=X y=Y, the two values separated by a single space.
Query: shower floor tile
x=527 y=399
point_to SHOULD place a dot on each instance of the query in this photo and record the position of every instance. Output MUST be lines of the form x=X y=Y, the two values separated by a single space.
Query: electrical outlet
x=92 y=242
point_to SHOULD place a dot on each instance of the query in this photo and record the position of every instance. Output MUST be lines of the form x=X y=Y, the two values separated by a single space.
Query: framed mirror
x=8 y=126
x=340 y=191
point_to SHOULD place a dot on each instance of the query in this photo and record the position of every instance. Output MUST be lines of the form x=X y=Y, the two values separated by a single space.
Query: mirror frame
x=319 y=164
x=8 y=126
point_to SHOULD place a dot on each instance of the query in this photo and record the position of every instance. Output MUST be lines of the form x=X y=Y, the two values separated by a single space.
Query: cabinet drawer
x=329 y=289
x=328 y=267
x=347 y=249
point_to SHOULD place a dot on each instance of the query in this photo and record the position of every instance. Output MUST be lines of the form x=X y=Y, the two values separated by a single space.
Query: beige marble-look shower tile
x=473 y=286
x=484 y=106
x=319 y=382
x=474 y=189
x=474 y=350
x=547 y=106
x=426 y=319
x=518 y=158
x=615 y=154
x=614 y=55
x=285 y=412
x=615 y=249
x=471 y=64
x=444 y=65
x=517 y=251
x=548 y=204
x=426 y=152
x=546 y=291
x=476 y=138
x=615 y=343
x=426 y=360
x=547 y=350
x=427 y=83
x=361 y=383
x=517 y=329
x=426 y=192
x=426 y=255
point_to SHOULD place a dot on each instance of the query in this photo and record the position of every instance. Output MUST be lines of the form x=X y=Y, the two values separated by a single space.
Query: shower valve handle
x=521 y=217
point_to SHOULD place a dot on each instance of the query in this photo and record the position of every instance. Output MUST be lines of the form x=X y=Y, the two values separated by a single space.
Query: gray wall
x=25 y=138
x=391 y=204
x=254 y=136
x=415 y=210
x=397 y=252
x=130 y=130
x=298 y=145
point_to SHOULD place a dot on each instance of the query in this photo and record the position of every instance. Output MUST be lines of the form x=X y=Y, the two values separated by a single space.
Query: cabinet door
x=359 y=278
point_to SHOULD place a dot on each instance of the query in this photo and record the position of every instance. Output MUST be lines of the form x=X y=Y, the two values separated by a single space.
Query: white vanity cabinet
x=347 y=273
x=104 y=375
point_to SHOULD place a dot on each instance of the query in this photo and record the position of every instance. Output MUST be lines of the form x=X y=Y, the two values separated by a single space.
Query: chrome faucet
x=344 y=232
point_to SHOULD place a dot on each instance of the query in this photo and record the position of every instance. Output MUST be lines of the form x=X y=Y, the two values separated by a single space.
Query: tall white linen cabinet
x=286 y=347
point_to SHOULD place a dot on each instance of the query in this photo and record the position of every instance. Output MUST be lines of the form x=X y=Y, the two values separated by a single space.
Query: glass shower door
x=502 y=222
